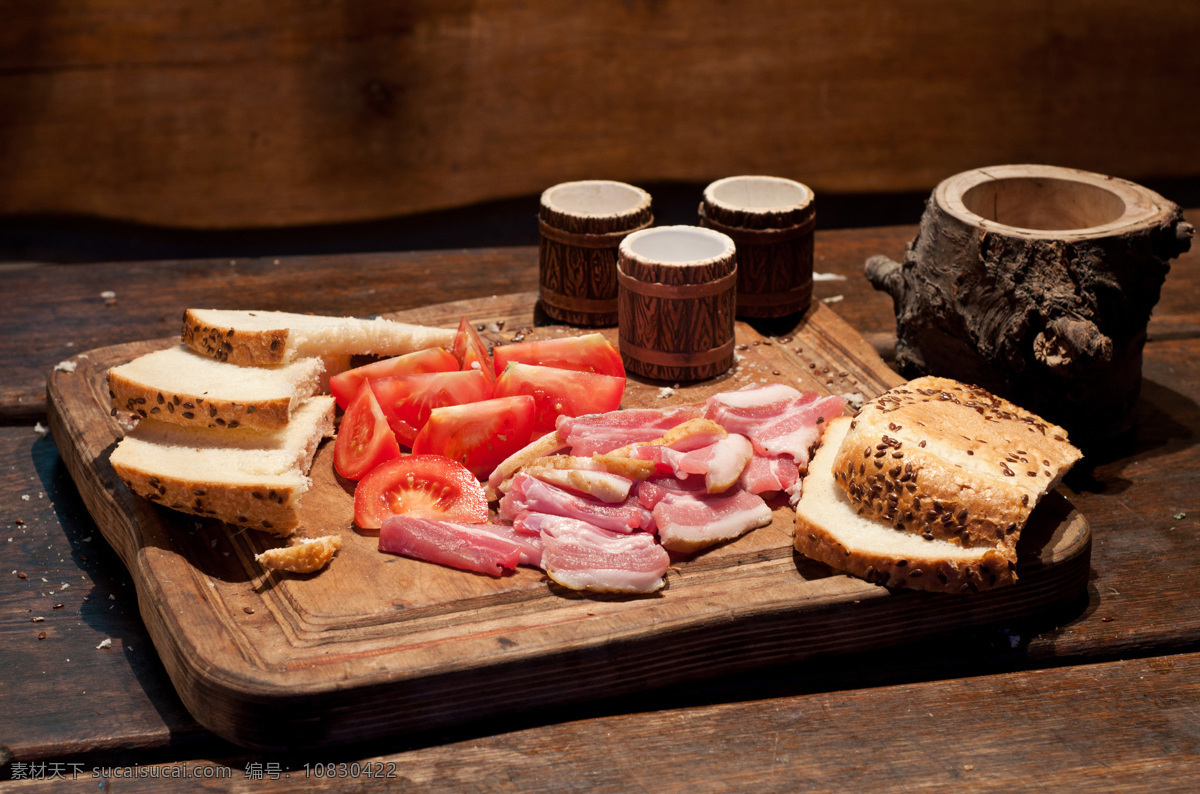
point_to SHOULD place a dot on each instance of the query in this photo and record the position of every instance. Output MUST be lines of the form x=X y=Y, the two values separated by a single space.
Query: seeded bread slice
x=180 y=386
x=829 y=529
x=265 y=339
x=953 y=462
x=253 y=478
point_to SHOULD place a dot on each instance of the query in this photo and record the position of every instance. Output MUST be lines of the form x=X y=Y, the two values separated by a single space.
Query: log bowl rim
x=727 y=251
x=1142 y=206
x=714 y=188
x=639 y=200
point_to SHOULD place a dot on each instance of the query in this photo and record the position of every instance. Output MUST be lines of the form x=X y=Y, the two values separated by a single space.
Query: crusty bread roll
x=180 y=386
x=252 y=478
x=266 y=339
x=830 y=529
x=947 y=461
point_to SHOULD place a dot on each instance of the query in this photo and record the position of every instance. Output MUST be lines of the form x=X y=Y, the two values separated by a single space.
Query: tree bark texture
x=1054 y=319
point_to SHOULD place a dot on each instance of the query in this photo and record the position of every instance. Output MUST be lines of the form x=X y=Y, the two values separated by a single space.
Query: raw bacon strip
x=798 y=432
x=777 y=419
x=690 y=522
x=602 y=433
x=583 y=557
x=581 y=533
x=610 y=488
x=745 y=410
x=720 y=463
x=530 y=544
x=462 y=546
x=767 y=473
x=651 y=492
x=529 y=494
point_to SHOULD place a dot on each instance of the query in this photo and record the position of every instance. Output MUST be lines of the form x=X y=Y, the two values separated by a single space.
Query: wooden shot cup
x=581 y=224
x=678 y=290
x=771 y=221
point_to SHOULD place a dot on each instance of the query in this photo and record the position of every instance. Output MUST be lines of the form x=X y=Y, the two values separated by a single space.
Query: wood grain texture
x=1121 y=726
x=378 y=644
x=360 y=109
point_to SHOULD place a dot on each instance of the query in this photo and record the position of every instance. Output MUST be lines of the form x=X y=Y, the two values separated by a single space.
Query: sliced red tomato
x=588 y=353
x=407 y=400
x=479 y=435
x=470 y=351
x=364 y=439
x=421 y=486
x=436 y=359
x=560 y=392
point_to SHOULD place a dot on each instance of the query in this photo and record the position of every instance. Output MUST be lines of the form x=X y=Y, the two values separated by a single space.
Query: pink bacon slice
x=690 y=522
x=602 y=433
x=778 y=419
x=581 y=556
x=462 y=546
x=529 y=494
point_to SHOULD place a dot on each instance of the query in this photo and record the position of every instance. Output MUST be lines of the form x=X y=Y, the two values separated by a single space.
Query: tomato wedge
x=436 y=359
x=560 y=392
x=421 y=486
x=587 y=353
x=407 y=400
x=364 y=439
x=470 y=351
x=479 y=435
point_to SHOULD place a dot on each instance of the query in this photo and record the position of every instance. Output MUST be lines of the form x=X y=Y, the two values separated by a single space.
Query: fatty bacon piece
x=778 y=419
x=721 y=463
x=665 y=455
x=529 y=494
x=688 y=522
x=581 y=556
x=601 y=433
x=768 y=473
x=580 y=475
x=462 y=546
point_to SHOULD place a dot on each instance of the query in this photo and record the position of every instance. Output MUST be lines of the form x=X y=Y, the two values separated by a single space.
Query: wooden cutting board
x=377 y=644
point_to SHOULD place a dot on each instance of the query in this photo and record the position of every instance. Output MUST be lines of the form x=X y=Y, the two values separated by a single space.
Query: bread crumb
x=854 y=399
x=828 y=277
x=108 y=294
x=41 y=429
x=833 y=299
x=665 y=392
x=105 y=643
x=65 y=366
x=305 y=556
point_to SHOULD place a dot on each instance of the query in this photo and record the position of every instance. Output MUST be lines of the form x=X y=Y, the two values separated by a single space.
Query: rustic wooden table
x=1099 y=694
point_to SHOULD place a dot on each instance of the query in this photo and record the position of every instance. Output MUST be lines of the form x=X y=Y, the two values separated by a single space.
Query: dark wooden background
x=151 y=130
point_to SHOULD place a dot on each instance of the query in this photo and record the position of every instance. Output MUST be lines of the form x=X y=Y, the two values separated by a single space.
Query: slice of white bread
x=252 y=478
x=948 y=461
x=830 y=530
x=265 y=339
x=180 y=386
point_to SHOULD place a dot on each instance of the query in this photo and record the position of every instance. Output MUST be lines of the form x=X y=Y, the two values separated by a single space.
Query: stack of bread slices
x=228 y=423
x=929 y=487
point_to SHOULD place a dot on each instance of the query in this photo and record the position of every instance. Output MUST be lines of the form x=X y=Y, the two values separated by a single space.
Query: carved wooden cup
x=678 y=290
x=771 y=221
x=1036 y=282
x=582 y=223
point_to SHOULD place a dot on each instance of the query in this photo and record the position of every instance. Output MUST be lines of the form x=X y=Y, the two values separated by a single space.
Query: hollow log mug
x=770 y=220
x=581 y=225
x=678 y=291
x=1036 y=282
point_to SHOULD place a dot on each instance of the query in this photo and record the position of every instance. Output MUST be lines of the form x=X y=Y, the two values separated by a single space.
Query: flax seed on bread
x=180 y=386
x=830 y=529
x=266 y=338
x=253 y=478
x=951 y=462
